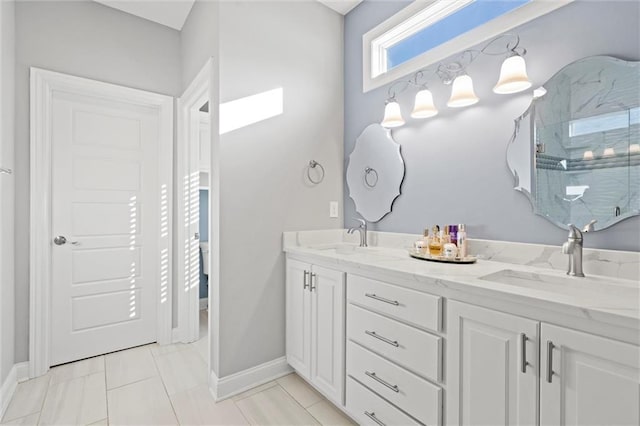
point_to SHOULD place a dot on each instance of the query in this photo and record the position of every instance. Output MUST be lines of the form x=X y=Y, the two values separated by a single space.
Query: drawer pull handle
x=305 y=284
x=373 y=417
x=382 y=299
x=379 y=380
x=550 y=347
x=523 y=352
x=384 y=339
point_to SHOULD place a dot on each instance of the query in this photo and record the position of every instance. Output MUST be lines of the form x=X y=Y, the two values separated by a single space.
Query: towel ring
x=312 y=165
x=369 y=171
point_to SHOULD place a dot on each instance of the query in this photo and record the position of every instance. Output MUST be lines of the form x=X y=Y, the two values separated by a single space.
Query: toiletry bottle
x=462 y=241
x=422 y=245
x=453 y=233
x=435 y=244
x=447 y=237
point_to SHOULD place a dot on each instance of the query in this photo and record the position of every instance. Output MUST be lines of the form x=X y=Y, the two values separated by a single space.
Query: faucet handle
x=574 y=232
x=589 y=226
x=363 y=223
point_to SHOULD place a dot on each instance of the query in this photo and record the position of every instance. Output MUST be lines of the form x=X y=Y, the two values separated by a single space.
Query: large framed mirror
x=575 y=152
x=375 y=172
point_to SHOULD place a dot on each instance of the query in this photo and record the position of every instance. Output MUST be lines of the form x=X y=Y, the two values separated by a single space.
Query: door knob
x=62 y=240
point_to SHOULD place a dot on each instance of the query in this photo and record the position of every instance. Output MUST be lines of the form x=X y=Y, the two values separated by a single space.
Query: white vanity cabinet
x=587 y=379
x=494 y=373
x=315 y=303
x=492 y=367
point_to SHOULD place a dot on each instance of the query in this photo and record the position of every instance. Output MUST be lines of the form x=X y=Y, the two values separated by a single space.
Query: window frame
x=415 y=17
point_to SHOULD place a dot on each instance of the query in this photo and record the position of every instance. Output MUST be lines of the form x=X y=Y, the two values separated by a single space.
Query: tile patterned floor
x=160 y=385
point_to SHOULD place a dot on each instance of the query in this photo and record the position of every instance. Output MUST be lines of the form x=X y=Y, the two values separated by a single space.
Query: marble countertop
x=610 y=300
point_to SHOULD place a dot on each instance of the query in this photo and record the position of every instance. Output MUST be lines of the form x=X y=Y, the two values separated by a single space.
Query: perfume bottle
x=435 y=243
x=422 y=245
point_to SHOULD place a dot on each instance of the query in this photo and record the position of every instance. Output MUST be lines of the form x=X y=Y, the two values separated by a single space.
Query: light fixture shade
x=424 y=106
x=539 y=92
x=513 y=76
x=609 y=152
x=462 y=93
x=392 y=115
x=588 y=155
x=634 y=148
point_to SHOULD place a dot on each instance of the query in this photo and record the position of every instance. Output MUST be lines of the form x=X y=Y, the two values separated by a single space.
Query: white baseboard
x=18 y=373
x=228 y=386
x=204 y=303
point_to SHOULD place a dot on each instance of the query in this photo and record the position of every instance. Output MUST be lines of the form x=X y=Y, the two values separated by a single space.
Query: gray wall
x=264 y=45
x=7 y=284
x=86 y=39
x=456 y=167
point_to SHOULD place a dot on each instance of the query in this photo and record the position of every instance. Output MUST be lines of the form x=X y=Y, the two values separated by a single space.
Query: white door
x=327 y=331
x=298 y=316
x=588 y=380
x=490 y=382
x=106 y=212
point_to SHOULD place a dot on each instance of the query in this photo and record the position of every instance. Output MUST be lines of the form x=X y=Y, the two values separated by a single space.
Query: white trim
x=228 y=386
x=189 y=119
x=204 y=303
x=18 y=373
x=373 y=47
x=43 y=84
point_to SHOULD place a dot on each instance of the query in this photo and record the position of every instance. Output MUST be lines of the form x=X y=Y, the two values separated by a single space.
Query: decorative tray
x=425 y=256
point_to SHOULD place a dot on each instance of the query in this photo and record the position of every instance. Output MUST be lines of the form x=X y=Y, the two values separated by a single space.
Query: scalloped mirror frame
x=521 y=150
x=375 y=149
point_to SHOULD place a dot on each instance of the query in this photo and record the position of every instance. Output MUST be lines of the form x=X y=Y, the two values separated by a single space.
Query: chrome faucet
x=573 y=247
x=363 y=232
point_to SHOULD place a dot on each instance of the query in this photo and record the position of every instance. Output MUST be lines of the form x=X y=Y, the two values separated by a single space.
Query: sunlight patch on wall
x=252 y=109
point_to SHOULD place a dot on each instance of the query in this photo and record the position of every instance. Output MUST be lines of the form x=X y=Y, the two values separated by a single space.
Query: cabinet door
x=298 y=317
x=490 y=380
x=327 y=332
x=588 y=380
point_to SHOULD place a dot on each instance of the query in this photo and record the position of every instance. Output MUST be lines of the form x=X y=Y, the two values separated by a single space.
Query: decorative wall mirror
x=375 y=173
x=576 y=151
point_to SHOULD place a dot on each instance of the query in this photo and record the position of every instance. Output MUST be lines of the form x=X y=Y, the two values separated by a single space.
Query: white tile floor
x=160 y=385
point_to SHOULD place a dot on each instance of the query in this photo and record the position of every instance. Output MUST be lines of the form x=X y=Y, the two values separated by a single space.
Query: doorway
x=101 y=196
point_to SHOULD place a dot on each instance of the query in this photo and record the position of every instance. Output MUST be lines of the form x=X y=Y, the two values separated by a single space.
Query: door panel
x=327 y=335
x=484 y=367
x=105 y=201
x=298 y=306
x=595 y=381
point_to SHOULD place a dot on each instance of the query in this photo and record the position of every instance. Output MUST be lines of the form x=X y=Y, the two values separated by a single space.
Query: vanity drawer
x=365 y=406
x=413 y=349
x=409 y=392
x=420 y=309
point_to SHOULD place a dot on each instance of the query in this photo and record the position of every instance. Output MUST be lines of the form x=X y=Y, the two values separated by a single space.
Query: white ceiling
x=170 y=13
x=341 y=6
x=173 y=13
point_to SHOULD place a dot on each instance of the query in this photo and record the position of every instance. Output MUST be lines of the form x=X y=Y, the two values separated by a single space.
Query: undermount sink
x=345 y=248
x=562 y=284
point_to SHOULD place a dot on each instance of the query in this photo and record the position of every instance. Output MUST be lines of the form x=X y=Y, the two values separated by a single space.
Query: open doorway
x=197 y=216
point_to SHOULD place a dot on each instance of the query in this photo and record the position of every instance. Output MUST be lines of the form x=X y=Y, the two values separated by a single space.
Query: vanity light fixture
x=462 y=93
x=392 y=114
x=513 y=79
x=609 y=152
x=513 y=76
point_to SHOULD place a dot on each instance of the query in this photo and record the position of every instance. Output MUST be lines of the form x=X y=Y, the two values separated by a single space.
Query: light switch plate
x=333 y=209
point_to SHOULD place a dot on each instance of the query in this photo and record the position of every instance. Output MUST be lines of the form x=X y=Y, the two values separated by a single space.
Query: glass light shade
x=634 y=148
x=392 y=115
x=462 y=93
x=424 y=107
x=539 y=92
x=513 y=76
x=609 y=152
x=588 y=155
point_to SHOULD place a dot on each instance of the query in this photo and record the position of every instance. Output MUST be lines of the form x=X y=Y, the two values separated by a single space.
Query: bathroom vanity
x=509 y=340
